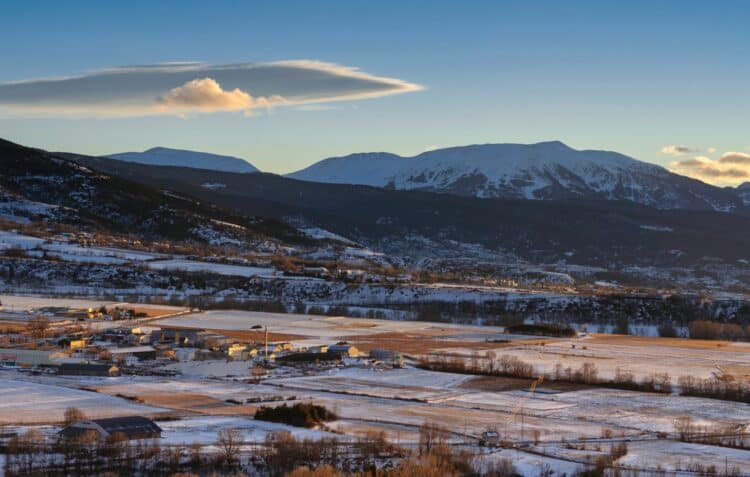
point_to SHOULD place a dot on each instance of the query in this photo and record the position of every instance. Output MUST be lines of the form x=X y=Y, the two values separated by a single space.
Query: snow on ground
x=11 y=239
x=641 y=359
x=22 y=304
x=72 y=252
x=221 y=269
x=19 y=209
x=408 y=383
x=314 y=326
x=204 y=430
x=322 y=234
x=673 y=455
x=527 y=464
x=24 y=402
x=212 y=368
x=214 y=388
x=645 y=411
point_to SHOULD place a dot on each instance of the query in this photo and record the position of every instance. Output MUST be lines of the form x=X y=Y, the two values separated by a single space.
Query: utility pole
x=266 y=344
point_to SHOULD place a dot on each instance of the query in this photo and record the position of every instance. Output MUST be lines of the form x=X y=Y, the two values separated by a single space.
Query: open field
x=317 y=326
x=219 y=268
x=410 y=337
x=640 y=356
x=24 y=304
x=25 y=402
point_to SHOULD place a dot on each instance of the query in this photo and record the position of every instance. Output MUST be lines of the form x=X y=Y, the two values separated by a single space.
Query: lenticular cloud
x=176 y=88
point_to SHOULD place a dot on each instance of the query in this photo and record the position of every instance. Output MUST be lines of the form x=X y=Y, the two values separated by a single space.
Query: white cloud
x=175 y=88
x=735 y=158
x=676 y=150
x=206 y=94
x=731 y=169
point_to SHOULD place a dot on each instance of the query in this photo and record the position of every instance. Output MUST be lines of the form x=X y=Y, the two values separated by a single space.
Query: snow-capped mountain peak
x=163 y=156
x=544 y=170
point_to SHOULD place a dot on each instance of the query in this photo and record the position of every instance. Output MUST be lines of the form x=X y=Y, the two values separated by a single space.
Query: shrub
x=541 y=329
x=300 y=415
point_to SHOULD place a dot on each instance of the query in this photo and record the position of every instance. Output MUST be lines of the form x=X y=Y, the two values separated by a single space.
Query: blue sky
x=628 y=76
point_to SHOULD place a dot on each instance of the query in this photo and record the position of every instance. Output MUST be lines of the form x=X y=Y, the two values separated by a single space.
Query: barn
x=129 y=428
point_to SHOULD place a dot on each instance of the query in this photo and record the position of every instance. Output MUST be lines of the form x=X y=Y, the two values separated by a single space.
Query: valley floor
x=565 y=426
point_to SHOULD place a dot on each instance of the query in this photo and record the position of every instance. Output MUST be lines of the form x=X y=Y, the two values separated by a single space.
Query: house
x=318 y=349
x=213 y=340
x=138 y=352
x=344 y=349
x=167 y=335
x=80 y=343
x=279 y=347
x=26 y=357
x=320 y=272
x=87 y=369
x=241 y=352
x=490 y=439
x=128 y=428
x=184 y=354
x=387 y=356
x=307 y=357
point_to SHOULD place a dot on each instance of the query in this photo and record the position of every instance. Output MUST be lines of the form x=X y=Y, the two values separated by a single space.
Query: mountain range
x=543 y=171
x=163 y=156
x=176 y=202
x=419 y=224
x=546 y=170
x=37 y=184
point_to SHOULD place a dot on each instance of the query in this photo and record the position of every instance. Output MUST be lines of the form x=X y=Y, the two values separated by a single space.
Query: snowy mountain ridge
x=743 y=190
x=545 y=170
x=163 y=156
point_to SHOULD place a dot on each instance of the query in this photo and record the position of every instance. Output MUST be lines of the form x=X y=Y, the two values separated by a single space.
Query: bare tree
x=38 y=326
x=229 y=441
x=73 y=415
x=258 y=373
x=430 y=436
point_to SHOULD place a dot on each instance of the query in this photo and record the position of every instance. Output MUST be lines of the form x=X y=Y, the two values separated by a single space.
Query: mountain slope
x=162 y=156
x=98 y=201
x=743 y=191
x=547 y=170
x=414 y=223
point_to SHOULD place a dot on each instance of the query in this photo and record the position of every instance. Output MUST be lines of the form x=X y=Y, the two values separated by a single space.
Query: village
x=529 y=398
x=102 y=341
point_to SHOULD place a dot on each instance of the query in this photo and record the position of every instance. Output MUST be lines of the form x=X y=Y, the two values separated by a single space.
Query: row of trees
x=713 y=330
x=724 y=387
x=280 y=454
x=513 y=367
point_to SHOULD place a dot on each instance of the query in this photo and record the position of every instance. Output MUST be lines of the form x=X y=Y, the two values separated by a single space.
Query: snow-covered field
x=642 y=358
x=411 y=384
x=26 y=402
x=672 y=455
x=204 y=430
x=315 y=326
x=22 y=304
x=220 y=268
x=73 y=252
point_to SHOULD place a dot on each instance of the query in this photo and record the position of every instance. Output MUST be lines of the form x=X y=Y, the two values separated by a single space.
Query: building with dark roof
x=87 y=369
x=306 y=357
x=129 y=428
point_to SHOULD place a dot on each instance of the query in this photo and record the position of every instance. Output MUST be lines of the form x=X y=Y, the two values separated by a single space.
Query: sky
x=284 y=84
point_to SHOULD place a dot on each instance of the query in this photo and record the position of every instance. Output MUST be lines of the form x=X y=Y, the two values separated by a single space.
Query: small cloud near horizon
x=731 y=169
x=677 y=150
x=180 y=88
